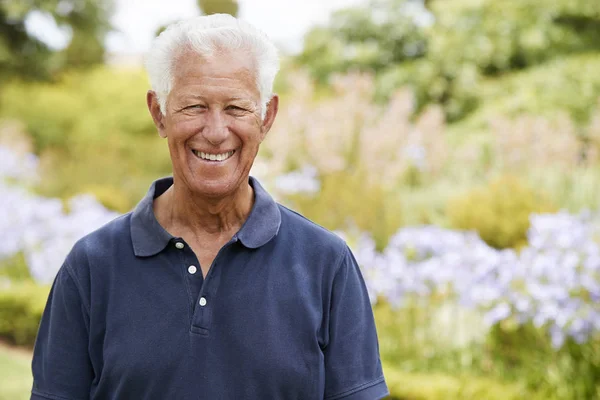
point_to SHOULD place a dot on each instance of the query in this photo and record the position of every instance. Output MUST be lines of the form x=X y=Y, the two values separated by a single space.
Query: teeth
x=213 y=157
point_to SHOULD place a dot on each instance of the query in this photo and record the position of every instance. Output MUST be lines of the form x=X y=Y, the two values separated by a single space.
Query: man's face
x=213 y=121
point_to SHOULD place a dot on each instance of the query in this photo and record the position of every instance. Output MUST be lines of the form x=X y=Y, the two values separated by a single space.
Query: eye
x=195 y=106
x=235 y=108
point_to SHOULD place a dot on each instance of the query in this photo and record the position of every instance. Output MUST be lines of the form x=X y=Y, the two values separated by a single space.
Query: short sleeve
x=352 y=365
x=61 y=365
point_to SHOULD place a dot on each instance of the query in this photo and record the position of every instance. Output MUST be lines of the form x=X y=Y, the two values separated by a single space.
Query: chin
x=217 y=188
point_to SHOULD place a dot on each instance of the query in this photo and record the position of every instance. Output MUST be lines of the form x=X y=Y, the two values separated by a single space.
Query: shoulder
x=106 y=237
x=309 y=237
x=101 y=247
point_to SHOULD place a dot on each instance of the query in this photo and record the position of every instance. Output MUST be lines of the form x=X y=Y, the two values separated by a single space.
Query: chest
x=261 y=318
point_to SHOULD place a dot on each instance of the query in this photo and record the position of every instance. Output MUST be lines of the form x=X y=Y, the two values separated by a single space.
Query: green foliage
x=209 y=7
x=421 y=364
x=427 y=204
x=498 y=212
x=564 y=85
x=23 y=55
x=454 y=86
x=410 y=340
x=91 y=124
x=574 y=190
x=510 y=361
x=15 y=269
x=84 y=50
x=513 y=34
x=118 y=172
x=475 y=38
x=20 y=54
x=571 y=84
x=82 y=107
x=349 y=200
x=468 y=41
x=369 y=37
x=525 y=353
x=21 y=308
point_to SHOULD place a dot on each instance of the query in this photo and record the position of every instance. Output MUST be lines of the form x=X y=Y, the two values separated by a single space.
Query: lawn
x=15 y=373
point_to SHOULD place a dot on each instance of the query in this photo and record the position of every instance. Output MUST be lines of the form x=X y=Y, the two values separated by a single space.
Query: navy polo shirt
x=282 y=314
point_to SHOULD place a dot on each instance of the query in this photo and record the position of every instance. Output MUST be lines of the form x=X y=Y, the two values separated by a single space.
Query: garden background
x=455 y=144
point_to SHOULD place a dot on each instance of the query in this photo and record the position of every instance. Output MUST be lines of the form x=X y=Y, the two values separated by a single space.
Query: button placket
x=205 y=303
x=192 y=278
x=203 y=309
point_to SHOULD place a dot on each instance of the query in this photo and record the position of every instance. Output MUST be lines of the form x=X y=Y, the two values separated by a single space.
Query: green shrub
x=84 y=107
x=347 y=200
x=21 y=308
x=117 y=172
x=499 y=211
x=91 y=129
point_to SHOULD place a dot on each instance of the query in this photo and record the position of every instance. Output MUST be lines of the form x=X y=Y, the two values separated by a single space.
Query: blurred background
x=455 y=145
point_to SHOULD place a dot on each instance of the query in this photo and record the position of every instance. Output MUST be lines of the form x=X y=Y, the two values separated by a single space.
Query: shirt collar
x=150 y=238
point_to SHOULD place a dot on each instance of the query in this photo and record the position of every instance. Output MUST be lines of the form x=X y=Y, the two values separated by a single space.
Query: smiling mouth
x=213 y=157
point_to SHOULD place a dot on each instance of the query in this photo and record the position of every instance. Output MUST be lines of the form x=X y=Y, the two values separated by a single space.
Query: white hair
x=206 y=35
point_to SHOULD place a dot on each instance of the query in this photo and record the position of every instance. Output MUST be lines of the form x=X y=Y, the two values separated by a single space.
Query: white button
x=202 y=301
x=192 y=270
x=179 y=245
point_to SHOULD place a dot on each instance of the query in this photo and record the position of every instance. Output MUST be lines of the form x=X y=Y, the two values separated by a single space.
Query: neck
x=182 y=212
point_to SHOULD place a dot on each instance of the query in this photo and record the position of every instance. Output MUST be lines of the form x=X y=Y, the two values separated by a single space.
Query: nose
x=215 y=130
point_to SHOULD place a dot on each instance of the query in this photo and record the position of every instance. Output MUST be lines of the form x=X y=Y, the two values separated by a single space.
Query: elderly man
x=209 y=289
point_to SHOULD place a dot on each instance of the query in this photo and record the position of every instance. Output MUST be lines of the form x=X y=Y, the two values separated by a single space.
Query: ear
x=157 y=115
x=272 y=108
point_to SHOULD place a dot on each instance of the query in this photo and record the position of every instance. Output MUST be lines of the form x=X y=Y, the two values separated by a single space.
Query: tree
x=89 y=25
x=443 y=48
x=23 y=55
x=368 y=38
x=513 y=34
x=209 y=7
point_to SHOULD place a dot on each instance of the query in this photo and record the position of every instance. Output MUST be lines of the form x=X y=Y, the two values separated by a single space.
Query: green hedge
x=21 y=308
